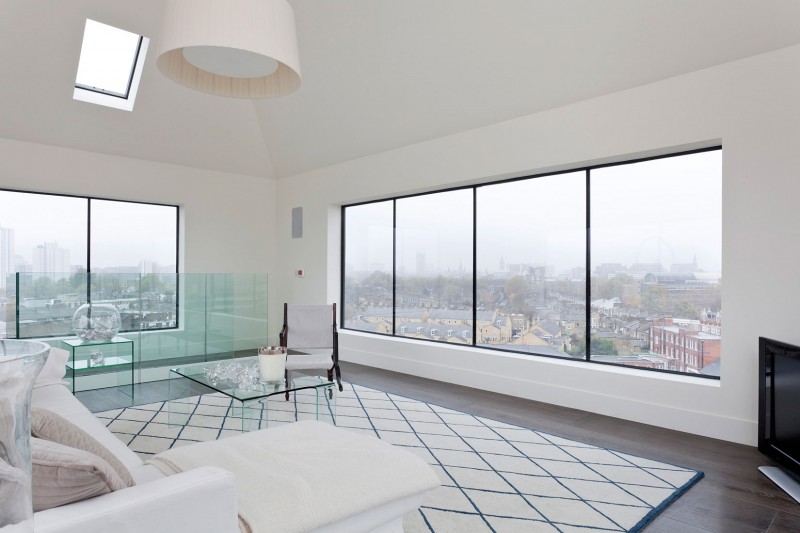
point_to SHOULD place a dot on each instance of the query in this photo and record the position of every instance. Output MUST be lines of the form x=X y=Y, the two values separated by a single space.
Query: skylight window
x=110 y=66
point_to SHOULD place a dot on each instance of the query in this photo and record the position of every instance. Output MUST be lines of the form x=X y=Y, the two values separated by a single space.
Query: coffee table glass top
x=240 y=379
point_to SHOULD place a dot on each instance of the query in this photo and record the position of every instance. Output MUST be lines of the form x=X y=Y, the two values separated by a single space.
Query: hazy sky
x=661 y=211
x=123 y=233
x=438 y=226
x=40 y=218
x=676 y=215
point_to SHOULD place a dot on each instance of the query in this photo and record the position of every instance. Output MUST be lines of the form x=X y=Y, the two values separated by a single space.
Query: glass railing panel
x=172 y=318
x=184 y=303
x=158 y=301
x=219 y=315
x=250 y=313
x=46 y=302
x=8 y=306
x=192 y=307
x=122 y=290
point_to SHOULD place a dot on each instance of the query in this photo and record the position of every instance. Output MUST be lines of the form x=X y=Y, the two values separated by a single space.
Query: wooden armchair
x=309 y=334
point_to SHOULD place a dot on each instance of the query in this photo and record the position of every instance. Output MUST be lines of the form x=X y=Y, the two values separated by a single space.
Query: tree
x=598 y=347
x=516 y=289
x=685 y=309
x=603 y=347
x=656 y=299
x=614 y=287
x=452 y=293
x=486 y=298
x=42 y=287
x=77 y=281
x=578 y=347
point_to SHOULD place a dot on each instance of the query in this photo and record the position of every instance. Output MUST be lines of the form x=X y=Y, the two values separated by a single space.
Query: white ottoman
x=310 y=476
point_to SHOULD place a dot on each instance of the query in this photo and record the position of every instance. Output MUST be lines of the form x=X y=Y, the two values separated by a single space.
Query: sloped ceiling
x=377 y=74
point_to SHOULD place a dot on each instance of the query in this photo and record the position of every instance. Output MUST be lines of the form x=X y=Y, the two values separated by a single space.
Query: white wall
x=228 y=221
x=752 y=107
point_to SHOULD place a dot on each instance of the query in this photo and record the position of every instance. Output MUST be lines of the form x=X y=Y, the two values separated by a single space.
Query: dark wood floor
x=733 y=497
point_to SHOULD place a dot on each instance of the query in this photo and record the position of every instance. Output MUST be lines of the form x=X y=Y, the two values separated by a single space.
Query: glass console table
x=255 y=404
x=96 y=358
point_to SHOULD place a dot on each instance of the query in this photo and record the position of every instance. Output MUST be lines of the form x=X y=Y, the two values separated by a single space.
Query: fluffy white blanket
x=302 y=476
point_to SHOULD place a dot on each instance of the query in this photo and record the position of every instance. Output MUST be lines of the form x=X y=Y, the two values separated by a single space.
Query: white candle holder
x=272 y=363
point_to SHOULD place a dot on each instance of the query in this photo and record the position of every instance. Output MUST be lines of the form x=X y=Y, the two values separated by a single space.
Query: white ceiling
x=377 y=74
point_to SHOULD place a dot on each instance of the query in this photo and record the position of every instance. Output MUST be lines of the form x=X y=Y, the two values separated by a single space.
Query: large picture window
x=433 y=254
x=369 y=286
x=531 y=245
x=616 y=264
x=59 y=252
x=656 y=262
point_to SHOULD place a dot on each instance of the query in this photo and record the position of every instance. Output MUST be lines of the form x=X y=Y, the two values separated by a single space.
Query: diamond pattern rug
x=495 y=476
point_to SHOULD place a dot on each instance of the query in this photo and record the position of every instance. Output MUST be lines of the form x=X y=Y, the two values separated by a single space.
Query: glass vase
x=20 y=363
x=96 y=322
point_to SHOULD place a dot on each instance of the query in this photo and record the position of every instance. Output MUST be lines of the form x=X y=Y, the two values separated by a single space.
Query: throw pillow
x=54 y=369
x=63 y=475
x=53 y=427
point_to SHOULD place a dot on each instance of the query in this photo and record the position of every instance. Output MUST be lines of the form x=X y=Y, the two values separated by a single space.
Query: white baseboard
x=520 y=385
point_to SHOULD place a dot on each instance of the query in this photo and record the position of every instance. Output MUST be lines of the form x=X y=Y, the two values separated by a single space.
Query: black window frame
x=89 y=251
x=474 y=188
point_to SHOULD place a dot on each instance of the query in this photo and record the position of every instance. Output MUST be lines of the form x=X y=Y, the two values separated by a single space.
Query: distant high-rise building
x=7 y=255
x=421 y=267
x=49 y=258
x=606 y=270
x=146 y=266
x=23 y=265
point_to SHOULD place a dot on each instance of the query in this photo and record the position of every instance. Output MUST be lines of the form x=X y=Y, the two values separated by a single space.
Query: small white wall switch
x=300 y=273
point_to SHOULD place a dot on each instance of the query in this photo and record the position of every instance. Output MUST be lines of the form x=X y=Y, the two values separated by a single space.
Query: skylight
x=110 y=66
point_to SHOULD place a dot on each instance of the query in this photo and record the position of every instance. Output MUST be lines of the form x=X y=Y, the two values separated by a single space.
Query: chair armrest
x=200 y=500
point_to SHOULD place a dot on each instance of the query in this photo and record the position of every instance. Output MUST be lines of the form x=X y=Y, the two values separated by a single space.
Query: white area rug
x=495 y=476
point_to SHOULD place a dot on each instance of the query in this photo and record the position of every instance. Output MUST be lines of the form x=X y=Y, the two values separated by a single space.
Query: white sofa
x=196 y=501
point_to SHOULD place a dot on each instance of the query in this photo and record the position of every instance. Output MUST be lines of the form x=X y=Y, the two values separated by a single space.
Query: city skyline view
x=47 y=243
x=32 y=221
x=654 y=266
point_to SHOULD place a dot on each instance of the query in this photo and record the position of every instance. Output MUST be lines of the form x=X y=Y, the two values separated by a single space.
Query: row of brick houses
x=639 y=323
x=454 y=325
x=688 y=345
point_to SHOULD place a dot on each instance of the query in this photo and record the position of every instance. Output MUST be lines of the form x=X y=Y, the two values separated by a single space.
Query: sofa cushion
x=48 y=425
x=59 y=399
x=62 y=475
x=54 y=369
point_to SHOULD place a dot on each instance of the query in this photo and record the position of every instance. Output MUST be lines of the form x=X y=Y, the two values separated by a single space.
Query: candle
x=272 y=362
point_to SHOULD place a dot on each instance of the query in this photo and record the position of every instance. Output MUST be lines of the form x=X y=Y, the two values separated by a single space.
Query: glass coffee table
x=255 y=403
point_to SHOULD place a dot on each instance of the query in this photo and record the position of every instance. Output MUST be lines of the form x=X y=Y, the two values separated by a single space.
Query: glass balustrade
x=171 y=318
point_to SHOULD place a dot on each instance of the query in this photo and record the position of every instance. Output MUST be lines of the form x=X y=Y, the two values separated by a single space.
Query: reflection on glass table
x=247 y=402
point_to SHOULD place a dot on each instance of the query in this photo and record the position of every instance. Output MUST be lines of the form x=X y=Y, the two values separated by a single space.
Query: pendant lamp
x=236 y=48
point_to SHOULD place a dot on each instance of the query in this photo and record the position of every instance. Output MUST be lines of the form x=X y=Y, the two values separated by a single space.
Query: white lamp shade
x=237 y=48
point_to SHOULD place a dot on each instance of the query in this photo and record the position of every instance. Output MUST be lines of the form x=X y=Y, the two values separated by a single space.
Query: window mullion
x=588 y=276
